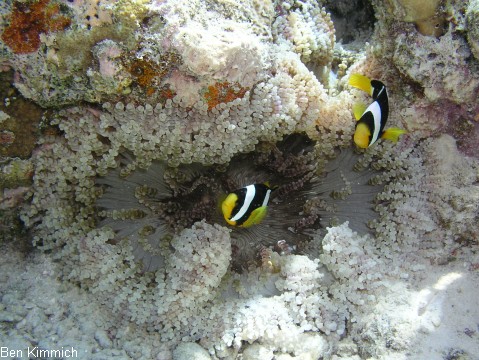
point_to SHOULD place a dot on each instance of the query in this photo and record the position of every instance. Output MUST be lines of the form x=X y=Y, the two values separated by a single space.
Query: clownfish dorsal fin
x=393 y=134
x=361 y=82
x=358 y=110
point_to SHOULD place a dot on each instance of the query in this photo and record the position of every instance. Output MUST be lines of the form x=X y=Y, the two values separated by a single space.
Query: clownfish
x=246 y=206
x=371 y=120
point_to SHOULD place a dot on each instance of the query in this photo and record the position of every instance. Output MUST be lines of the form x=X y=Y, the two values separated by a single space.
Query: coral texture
x=157 y=109
x=472 y=18
x=308 y=29
x=28 y=21
x=438 y=75
x=428 y=16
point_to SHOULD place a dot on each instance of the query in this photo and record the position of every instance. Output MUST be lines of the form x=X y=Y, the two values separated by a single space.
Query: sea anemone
x=147 y=207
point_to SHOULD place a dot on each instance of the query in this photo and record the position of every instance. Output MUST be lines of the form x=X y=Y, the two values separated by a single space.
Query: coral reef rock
x=152 y=111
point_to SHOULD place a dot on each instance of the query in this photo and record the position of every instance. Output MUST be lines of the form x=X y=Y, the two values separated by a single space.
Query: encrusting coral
x=167 y=108
x=439 y=76
x=19 y=121
x=428 y=16
x=472 y=18
x=29 y=20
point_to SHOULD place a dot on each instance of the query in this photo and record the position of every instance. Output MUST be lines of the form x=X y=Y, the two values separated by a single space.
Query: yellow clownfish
x=371 y=120
x=246 y=206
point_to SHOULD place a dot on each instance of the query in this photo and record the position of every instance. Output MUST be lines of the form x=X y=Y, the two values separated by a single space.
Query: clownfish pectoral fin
x=361 y=82
x=256 y=216
x=358 y=110
x=362 y=135
x=393 y=134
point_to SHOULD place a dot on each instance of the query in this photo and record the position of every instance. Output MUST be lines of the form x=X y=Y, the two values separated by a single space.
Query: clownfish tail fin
x=272 y=187
x=256 y=217
x=393 y=134
x=361 y=82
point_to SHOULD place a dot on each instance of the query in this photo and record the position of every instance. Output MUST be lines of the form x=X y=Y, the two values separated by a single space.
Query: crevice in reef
x=353 y=20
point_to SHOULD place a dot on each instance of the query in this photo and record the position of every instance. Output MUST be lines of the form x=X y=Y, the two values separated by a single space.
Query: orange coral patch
x=145 y=71
x=223 y=92
x=28 y=21
x=167 y=93
x=149 y=74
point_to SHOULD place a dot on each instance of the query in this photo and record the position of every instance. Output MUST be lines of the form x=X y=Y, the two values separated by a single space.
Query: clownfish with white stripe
x=372 y=120
x=246 y=206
